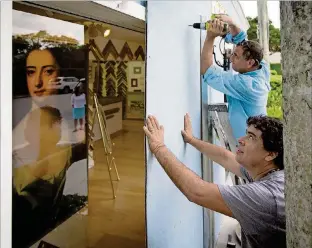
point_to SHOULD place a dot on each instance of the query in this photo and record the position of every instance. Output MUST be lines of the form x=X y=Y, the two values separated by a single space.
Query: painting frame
x=134 y=82
x=137 y=70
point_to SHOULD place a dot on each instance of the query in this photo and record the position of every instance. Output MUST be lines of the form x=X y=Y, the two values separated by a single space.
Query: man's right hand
x=187 y=133
x=215 y=29
x=233 y=29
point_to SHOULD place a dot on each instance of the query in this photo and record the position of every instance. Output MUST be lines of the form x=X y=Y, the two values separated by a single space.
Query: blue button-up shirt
x=247 y=93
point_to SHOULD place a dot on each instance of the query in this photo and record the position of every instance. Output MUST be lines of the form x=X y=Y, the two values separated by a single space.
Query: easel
x=96 y=111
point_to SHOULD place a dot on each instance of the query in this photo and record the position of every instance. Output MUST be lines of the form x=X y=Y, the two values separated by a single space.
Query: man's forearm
x=234 y=30
x=218 y=154
x=191 y=185
x=207 y=55
x=185 y=179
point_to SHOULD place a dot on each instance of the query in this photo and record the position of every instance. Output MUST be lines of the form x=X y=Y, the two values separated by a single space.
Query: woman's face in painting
x=41 y=70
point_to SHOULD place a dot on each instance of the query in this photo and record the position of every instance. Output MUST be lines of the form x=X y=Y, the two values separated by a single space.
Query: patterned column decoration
x=110 y=50
x=139 y=53
x=126 y=53
x=98 y=80
x=122 y=85
x=101 y=81
x=110 y=78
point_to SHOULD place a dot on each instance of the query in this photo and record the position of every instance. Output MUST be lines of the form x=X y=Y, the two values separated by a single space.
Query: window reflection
x=47 y=154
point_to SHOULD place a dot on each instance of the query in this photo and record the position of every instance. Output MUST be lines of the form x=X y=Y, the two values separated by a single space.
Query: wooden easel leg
x=110 y=177
x=113 y=162
x=104 y=136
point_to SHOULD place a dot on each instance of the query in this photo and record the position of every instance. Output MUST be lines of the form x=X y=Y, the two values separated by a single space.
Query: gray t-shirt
x=259 y=207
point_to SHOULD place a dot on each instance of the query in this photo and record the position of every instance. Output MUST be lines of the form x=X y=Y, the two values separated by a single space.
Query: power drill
x=205 y=26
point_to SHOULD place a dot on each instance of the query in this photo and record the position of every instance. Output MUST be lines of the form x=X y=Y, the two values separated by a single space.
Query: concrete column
x=263 y=23
x=296 y=46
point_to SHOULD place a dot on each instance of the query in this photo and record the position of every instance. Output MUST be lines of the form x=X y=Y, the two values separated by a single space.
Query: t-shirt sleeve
x=245 y=174
x=251 y=204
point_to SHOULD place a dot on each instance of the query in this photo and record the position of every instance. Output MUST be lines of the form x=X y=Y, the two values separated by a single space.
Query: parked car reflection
x=63 y=85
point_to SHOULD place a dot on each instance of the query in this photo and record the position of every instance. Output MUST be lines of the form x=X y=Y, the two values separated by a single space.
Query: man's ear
x=251 y=63
x=271 y=156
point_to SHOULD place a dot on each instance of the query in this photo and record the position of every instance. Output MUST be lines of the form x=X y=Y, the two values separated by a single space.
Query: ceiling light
x=107 y=32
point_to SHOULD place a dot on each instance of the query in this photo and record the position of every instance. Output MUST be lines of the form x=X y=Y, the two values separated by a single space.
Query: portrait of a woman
x=41 y=70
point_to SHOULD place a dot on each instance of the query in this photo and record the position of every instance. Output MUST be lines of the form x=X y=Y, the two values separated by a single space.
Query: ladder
x=218 y=117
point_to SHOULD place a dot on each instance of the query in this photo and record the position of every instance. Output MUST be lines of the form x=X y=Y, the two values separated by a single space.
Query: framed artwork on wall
x=135 y=105
x=137 y=70
x=134 y=82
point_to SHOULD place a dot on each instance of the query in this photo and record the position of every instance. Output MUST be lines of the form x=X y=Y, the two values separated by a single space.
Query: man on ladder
x=247 y=91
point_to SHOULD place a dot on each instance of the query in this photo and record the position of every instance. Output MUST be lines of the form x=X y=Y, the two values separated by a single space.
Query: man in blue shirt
x=247 y=91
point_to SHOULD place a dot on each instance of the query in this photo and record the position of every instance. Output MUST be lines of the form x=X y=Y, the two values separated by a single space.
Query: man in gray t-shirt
x=259 y=205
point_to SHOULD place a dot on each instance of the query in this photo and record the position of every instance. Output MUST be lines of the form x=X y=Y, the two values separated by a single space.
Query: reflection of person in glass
x=39 y=175
x=41 y=70
x=78 y=101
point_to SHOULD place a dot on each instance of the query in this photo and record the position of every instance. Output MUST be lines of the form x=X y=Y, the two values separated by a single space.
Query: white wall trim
x=241 y=15
x=234 y=9
x=128 y=7
x=6 y=123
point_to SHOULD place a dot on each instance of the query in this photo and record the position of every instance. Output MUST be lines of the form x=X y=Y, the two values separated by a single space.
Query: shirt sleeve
x=245 y=174
x=252 y=205
x=229 y=38
x=237 y=86
x=85 y=101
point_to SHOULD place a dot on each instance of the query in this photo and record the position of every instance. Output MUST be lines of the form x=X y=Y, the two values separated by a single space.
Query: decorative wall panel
x=116 y=78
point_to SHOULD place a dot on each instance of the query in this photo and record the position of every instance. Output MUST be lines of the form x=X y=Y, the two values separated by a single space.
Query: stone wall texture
x=296 y=46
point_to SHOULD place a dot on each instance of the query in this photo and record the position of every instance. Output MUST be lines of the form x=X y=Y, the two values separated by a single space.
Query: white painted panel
x=6 y=123
x=235 y=11
x=172 y=89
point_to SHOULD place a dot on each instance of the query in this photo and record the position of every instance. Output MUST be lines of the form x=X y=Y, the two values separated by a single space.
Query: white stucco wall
x=172 y=89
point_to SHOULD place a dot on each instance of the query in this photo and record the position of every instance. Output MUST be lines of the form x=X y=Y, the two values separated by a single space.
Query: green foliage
x=252 y=31
x=44 y=36
x=277 y=68
x=276 y=82
x=275 y=111
x=274 y=39
x=274 y=106
x=275 y=36
x=273 y=72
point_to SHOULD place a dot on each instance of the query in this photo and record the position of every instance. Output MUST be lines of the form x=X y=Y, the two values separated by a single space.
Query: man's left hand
x=154 y=133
